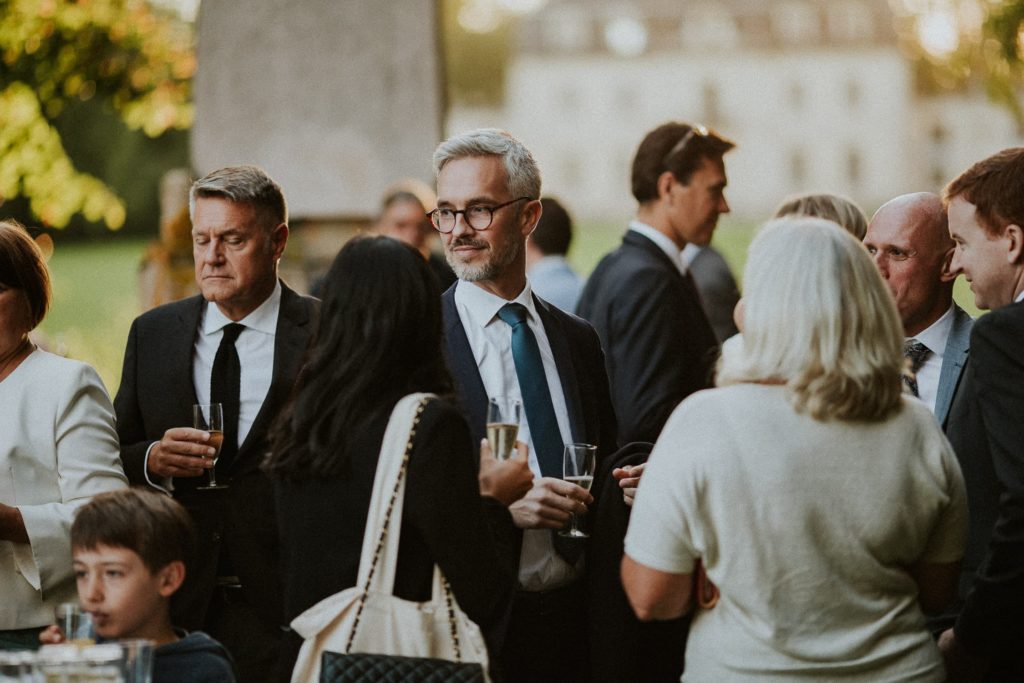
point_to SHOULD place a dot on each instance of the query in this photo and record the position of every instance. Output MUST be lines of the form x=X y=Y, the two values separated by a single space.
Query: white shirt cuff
x=165 y=484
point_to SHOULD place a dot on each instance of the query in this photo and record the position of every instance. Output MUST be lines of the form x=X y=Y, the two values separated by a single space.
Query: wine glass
x=578 y=467
x=210 y=417
x=503 y=415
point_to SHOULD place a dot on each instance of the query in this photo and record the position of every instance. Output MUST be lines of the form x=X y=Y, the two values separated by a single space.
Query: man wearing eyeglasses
x=641 y=298
x=502 y=340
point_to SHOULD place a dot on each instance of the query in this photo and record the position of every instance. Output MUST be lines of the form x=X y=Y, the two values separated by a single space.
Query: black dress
x=444 y=521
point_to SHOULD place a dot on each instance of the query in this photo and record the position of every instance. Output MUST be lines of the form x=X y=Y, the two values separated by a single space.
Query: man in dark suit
x=641 y=298
x=239 y=344
x=985 y=205
x=502 y=340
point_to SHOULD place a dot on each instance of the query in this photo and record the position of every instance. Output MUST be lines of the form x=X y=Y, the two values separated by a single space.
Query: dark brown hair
x=553 y=233
x=22 y=267
x=657 y=154
x=152 y=525
x=995 y=186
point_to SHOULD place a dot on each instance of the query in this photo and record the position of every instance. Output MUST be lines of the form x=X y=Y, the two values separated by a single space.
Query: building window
x=798 y=169
x=852 y=94
x=712 y=107
x=853 y=166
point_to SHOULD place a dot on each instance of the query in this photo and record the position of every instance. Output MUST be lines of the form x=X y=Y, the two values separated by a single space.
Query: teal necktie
x=533 y=384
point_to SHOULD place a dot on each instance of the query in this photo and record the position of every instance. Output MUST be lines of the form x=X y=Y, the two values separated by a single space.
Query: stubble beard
x=500 y=256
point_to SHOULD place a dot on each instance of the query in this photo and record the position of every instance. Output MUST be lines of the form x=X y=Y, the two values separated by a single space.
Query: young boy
x=129 y=549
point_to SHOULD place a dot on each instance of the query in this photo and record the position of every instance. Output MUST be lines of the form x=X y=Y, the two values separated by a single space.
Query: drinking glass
x=578 y=467
x=503 y=415
x=210 y=417
x=75 y=623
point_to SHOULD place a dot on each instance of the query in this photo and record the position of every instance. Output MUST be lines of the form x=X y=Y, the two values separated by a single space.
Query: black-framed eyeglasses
x=477 y=216
x=697 y=131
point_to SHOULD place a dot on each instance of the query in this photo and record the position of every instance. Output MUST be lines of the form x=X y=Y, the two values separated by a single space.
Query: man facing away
x=239 y=344
x=985 y=205
x=641 y=298
x=908 y=238
x=502 y=340
x=550 y=274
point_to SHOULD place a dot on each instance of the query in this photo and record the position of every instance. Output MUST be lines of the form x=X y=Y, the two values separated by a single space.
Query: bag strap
x=379 y=547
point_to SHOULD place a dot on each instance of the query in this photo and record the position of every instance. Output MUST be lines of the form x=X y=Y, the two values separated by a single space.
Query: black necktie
x=540 y=411
x=916 y=353
x=225 y=388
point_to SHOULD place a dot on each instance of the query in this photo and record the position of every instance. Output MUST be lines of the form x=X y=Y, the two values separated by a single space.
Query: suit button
x=216 y=537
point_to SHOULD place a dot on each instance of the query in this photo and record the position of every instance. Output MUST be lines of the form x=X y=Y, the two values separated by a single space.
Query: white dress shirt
x=255 y=347
x=934 y=337
x=674 y=253
x=490 y=338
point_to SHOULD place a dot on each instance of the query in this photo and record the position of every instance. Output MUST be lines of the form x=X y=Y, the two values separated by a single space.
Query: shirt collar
x=662 y=241
x=934 y=336
x=262 y=319
x=690 y=252
x=483 y=306
x=1020 y=297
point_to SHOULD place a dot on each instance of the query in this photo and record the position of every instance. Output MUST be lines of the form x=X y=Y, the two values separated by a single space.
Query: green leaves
x=54 y=52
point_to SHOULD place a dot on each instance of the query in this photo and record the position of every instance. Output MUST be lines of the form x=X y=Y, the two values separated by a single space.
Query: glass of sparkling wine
x=578 y=467
x=210 y=417
x=503 y=414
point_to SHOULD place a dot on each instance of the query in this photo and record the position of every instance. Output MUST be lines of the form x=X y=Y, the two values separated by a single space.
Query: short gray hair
x=520 y=167
x=244 y=185
x=818 y=318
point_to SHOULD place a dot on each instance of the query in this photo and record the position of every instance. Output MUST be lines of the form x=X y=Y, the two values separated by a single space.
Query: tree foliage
x=54 y=53
x=988 y=52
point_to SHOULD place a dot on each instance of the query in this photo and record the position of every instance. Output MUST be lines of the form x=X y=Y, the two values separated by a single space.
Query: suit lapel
x=461 y=363
x=954 y=357
x=290 y=341
x=182 y=350
x=566 y=369
x=638 y=241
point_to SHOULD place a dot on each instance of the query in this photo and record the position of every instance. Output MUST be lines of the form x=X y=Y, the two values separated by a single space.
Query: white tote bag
x=367 y=617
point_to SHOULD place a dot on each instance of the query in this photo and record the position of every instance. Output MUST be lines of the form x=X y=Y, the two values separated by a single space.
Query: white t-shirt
x=805 y=527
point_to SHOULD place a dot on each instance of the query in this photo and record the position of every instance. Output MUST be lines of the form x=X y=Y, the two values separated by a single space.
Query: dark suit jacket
x=622 y=648
x=718 y=291
x=989 y=444
x=580 y=362
x=156 y=394
x=658 y=343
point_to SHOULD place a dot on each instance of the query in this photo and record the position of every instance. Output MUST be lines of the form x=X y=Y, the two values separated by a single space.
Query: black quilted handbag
x=363 y=668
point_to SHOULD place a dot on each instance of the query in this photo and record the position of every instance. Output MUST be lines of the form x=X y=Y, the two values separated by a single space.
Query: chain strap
x=387 y=522
x=453 y=625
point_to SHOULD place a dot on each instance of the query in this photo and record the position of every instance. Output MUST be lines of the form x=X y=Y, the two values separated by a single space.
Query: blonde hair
x=833 y=207
x=819 y=319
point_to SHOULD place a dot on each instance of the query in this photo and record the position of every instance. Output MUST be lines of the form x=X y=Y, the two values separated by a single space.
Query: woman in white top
x=827 y=507
x=58 y=447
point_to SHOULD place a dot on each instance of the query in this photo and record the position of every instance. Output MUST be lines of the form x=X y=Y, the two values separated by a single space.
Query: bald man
x=909 y=240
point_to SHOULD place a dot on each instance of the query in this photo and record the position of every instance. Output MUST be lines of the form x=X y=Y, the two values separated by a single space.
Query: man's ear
x=947 y=274
x=531 y=216
x=170 y=578
x=278 y=240
x=1015 y=251
x=665 y=181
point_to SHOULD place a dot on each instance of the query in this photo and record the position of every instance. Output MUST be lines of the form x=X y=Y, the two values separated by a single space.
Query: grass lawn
x=94 y=302
x=95 y=294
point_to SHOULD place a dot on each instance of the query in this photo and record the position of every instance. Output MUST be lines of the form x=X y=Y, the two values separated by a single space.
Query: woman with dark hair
x=58 y=448
x=379 y=339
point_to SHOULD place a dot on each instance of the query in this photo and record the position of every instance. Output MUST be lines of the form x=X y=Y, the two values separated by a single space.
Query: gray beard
x=499 y=258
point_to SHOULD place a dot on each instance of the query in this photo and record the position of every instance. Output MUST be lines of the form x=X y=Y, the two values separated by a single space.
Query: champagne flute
x=503 y=415
x=210 y=417
x=578 y=464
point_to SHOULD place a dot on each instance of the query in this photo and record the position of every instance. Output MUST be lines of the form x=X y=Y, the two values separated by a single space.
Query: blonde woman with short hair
x=826 y=506
x=834 y=207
